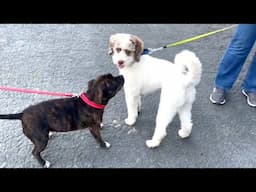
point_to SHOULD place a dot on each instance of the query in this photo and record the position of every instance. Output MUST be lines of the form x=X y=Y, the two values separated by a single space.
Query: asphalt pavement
x=64 y=57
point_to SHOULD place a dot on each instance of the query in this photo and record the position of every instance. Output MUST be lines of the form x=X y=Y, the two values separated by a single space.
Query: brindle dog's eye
x=128 y=52
x=118 y=50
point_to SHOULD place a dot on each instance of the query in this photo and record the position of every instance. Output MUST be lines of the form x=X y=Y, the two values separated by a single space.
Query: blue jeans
x=234 y=59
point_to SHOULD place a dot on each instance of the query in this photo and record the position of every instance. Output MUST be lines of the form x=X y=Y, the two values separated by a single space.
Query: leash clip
x=75 y=95
x=149 y=51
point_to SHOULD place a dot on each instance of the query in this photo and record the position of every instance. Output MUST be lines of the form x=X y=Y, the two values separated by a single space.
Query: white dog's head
x=125 y=49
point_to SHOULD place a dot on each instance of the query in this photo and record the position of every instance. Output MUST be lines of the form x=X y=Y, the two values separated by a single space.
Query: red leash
x=82 y=96
x=36 y=92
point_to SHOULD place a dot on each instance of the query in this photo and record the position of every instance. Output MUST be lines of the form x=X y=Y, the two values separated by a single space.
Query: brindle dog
x=68 y=114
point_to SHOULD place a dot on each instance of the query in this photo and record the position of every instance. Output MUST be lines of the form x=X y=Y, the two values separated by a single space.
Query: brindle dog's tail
x=11 y=116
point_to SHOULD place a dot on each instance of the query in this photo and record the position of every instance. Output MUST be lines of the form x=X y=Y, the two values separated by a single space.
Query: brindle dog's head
x=104 y=87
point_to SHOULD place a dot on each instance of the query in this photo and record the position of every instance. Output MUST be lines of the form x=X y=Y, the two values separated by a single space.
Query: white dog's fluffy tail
x=190 y=65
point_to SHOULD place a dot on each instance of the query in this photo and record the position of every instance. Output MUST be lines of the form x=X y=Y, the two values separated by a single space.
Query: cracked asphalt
x=63 y=57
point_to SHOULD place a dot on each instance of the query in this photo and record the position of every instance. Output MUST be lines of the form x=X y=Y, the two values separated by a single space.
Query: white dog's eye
x=128 y=52
x=118 y=50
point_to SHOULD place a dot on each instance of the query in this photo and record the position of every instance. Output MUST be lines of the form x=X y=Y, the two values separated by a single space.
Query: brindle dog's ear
x=139 y=46
x=90 y=83
x=109 y=75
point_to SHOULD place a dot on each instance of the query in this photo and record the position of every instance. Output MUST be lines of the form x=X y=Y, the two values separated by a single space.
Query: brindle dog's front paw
x=50 y=134
x=105 y=145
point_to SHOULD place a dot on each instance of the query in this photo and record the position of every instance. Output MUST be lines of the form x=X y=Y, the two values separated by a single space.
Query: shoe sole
x=214 y=102
x=247 y=98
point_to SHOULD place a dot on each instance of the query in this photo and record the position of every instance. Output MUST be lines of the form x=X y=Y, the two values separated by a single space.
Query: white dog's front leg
x=132 y=103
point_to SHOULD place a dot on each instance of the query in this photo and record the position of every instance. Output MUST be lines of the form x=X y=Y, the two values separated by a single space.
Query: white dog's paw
x=152 y=143
x=47 y=164
x=129 y=121
x=107 y=144
x=183 y=133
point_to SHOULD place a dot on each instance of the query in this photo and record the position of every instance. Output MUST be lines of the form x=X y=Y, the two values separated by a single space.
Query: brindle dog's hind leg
x=40 y=143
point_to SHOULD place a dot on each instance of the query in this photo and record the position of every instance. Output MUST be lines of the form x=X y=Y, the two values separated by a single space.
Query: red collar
x=91 y=103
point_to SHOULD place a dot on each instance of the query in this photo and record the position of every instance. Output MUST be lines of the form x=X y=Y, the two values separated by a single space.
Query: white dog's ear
x=110 y=51
x=139 y=46
x=111 y=44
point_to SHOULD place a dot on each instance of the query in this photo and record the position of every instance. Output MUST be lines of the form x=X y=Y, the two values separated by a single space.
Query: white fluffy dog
x=144 y=74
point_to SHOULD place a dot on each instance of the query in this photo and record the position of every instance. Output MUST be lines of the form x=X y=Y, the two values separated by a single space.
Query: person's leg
x=235 y=56
x=249 y=84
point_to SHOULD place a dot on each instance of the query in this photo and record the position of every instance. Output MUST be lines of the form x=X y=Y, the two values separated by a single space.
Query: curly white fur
x=144 y=74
